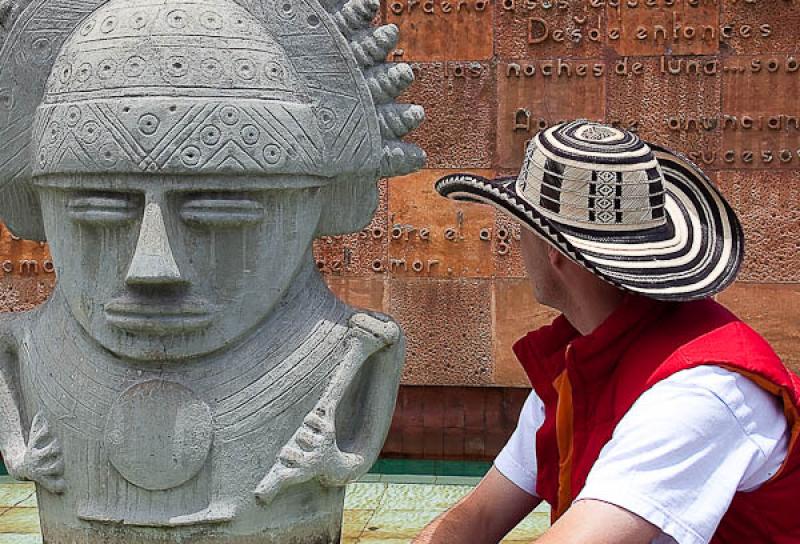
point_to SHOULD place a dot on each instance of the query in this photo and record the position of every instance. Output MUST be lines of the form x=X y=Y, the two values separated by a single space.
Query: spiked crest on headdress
x=251 y=87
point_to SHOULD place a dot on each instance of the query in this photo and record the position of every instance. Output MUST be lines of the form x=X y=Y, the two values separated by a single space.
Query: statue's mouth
x=159 y=319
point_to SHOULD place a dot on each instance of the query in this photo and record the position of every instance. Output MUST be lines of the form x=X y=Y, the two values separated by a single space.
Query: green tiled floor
x=376 y=512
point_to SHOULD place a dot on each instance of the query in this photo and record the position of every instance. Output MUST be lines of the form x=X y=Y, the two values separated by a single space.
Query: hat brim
x=694 y=255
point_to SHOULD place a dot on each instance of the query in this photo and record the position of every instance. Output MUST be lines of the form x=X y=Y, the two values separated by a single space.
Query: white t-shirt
x=676 y=459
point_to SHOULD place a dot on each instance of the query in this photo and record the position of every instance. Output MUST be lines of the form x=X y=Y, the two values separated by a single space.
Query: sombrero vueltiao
x=639 y=216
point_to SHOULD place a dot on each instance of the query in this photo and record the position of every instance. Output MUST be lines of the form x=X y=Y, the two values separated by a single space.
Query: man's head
x=559 y=282
x=619 y=211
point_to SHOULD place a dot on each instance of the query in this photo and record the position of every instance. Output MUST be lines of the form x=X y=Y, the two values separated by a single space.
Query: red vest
x=588 y=383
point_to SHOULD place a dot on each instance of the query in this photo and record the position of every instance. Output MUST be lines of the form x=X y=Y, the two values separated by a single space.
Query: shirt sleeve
x=686 y=447
x=517 y=460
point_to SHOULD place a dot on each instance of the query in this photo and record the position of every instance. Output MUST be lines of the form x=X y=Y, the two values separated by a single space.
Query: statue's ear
x=21 y=212
x=348 y=205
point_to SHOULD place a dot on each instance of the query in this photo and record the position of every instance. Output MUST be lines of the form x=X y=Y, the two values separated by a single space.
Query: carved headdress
x=251 y=87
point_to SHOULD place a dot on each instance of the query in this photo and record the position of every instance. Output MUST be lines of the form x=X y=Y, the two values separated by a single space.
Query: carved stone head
x=183 y=156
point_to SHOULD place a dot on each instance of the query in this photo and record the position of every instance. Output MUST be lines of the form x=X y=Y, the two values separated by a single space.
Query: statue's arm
x=40 y=459
x=12 y=439
x=365 y=414
x=340 y=439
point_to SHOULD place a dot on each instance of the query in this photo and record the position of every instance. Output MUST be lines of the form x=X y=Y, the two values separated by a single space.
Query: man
x=656 y=416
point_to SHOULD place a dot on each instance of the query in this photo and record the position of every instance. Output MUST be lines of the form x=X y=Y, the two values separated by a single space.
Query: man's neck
x=587 y=308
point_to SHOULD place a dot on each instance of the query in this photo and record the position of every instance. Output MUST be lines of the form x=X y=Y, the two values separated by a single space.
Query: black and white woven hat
x=637 y=215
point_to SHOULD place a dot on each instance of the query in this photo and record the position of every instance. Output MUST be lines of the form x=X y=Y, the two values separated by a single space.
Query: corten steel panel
x=768 y=203
x=434 y=237
x=682 y=27
x=448 y=327
x=506 y=251
x=432 y=30
x=364 y=293
x=535 y=94
x=773 y=310
x=460 y=110
x=359 y=254
x=672 y=101
x=765 y=26
x=760 y=111
x=515 y=312
x=23 y=258
x=20 y=294
x=544 y=29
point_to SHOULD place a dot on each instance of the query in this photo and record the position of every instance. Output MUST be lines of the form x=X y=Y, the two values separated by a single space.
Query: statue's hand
x=43 y=461
x=311 y=453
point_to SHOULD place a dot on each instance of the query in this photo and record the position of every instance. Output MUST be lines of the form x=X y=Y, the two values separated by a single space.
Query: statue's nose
x=153 y=262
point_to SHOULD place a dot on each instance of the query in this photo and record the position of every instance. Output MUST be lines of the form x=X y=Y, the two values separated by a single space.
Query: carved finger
x=308 y=440
x=291 y=457
x=53 y=468
x=50 y=451
x=40 y=432
x=316 y=423
x=55 y=485
x=277 y=480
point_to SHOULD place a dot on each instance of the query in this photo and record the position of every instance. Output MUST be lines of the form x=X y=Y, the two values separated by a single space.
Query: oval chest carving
x=158 y=434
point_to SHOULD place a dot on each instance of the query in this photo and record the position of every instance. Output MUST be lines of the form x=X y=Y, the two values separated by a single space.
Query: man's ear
x=555 y=257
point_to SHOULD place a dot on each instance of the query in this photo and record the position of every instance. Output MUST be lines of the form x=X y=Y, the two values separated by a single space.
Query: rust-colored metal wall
x=716 y=79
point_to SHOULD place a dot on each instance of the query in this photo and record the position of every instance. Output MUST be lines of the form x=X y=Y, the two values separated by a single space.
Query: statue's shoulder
x=380 y=326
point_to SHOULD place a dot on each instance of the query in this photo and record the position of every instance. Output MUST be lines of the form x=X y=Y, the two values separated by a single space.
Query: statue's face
x=167 y=268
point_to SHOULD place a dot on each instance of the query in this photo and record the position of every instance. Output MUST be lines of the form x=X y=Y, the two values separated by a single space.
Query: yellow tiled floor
x=375 y=513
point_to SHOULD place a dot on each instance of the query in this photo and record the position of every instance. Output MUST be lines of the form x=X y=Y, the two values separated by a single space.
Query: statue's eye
x=221 y=212
x=102 y=210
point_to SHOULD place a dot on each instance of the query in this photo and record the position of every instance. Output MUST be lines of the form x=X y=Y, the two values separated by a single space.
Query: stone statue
x=192 y=379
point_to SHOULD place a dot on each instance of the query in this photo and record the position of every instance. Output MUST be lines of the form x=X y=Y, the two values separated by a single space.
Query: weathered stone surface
x=773 y=310
x=432 y=237
x=192 y=378
x=767 y=203
x=449 y=328
x=678 y=110
x=460 y=104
